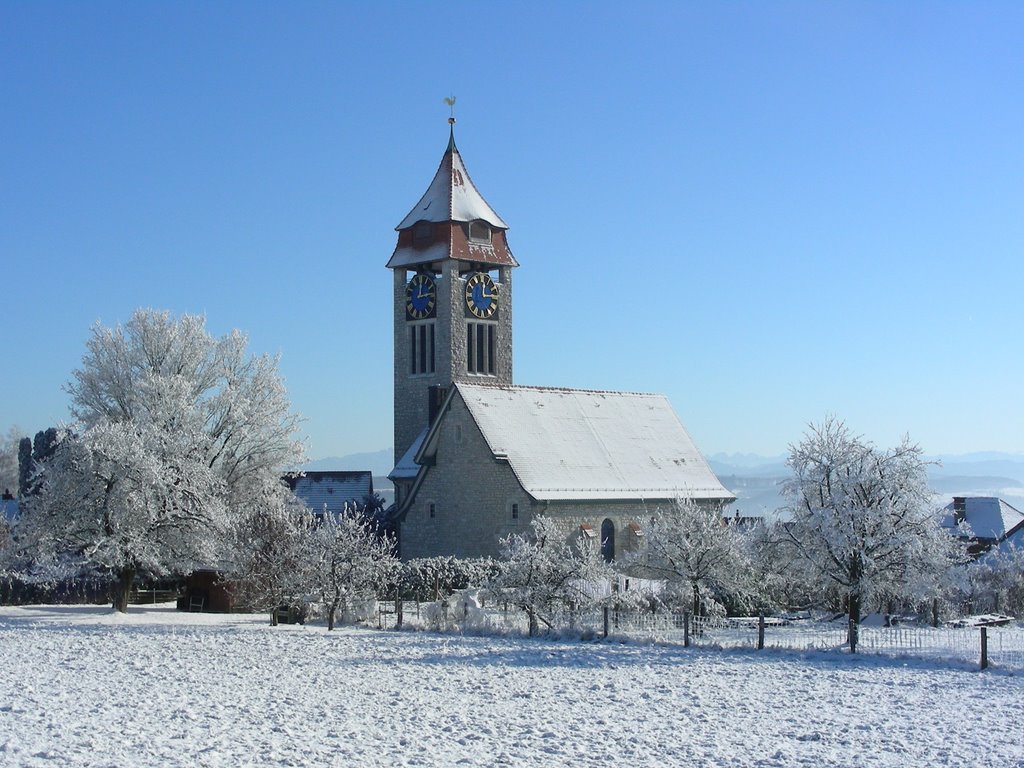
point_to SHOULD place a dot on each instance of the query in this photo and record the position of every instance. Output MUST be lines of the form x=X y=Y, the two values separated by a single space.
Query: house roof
x=572 y=444
x=989 y=517
x=331 y=490
x=452 y=196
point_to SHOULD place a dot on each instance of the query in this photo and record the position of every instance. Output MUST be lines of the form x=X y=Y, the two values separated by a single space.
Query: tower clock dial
x=420 y=297
x=481 y=296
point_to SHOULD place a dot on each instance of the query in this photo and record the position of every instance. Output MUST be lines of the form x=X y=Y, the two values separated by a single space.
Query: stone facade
x=472 y=496
x=449 y=323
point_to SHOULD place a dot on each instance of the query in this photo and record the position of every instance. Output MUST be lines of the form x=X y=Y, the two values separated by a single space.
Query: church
x=476 y=456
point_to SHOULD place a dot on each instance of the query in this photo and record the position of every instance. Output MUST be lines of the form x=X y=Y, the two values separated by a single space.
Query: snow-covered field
x=82 y=686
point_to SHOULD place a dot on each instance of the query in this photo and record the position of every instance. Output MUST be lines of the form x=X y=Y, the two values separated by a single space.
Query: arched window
x=479 y=231
x=608 y=540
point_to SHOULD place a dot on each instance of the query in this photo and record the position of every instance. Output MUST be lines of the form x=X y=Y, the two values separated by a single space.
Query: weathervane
x=450 y=101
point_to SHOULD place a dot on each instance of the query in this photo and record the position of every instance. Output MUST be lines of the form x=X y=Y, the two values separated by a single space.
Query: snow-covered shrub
x=462 y=611
x=701 y=557
x=347 y=562
x=544 y=574
x=268 y=562
x=432 y=578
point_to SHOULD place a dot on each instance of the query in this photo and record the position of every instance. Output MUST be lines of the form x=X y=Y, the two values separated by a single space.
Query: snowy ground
x=81 y=686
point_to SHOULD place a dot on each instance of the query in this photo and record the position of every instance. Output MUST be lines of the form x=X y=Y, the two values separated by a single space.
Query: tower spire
x=450 y=101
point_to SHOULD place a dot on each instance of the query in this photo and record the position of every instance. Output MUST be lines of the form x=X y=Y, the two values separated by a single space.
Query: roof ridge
x=552 y=388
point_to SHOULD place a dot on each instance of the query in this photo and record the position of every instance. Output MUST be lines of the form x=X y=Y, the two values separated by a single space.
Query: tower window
x=480 y=352
x=479 y=231
x=421 y=348
x=515 y=511
x=423 y=233
x=432 y=510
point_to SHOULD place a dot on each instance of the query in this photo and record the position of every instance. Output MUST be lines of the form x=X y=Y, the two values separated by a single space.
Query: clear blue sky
x=768 y=211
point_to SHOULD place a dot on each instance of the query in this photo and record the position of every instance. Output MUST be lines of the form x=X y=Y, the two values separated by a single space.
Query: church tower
x=452 y=299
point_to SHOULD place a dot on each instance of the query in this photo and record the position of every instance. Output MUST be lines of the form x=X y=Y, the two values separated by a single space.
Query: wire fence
x=988 y=646
x=985 y=646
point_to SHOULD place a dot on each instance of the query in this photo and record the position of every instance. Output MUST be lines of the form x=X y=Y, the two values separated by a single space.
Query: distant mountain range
x=756 y=480
x=380 y=463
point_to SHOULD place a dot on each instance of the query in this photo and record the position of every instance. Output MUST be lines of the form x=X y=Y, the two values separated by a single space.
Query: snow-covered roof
x=571 y=444
x=452 y=196
x=407 y=466
x=332 y=490
x=988 y=516
x=409 y=257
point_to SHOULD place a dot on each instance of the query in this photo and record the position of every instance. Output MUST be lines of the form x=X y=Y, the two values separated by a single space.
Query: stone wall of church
x=582 y=520
x=471 y=493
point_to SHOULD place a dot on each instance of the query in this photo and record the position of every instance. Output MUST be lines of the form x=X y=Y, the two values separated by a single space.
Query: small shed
x=206 y=590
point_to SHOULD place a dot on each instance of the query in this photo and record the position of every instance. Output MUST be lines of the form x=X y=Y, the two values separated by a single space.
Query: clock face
x=481 y=295
x=420 y=297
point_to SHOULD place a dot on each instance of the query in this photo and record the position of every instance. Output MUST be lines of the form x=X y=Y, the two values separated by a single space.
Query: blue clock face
x=420 y=297
x=481 y=295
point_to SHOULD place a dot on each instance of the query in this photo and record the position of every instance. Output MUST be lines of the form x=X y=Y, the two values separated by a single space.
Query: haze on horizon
x=769 y=213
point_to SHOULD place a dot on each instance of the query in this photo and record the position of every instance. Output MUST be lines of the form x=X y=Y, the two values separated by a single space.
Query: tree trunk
x=330 y=615
x=533 y=621
x=125 y=579
x=854 y=614
x=696 y=599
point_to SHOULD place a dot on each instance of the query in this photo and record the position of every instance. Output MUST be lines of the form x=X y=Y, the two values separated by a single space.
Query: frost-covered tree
x=778 y=571
x=9 y=460
x=268 y=565
x=347 y=559
x=690 y=545
x=996 y=579
x=542 y=572
x=862 y=520
x=111 y=501
x=179 y=434
x=24 y=465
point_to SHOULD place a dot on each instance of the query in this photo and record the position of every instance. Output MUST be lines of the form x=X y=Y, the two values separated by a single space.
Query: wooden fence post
x=760 y=631
x=984 y=647
x=398 y=610
x=686 y=629
x=606 y=621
